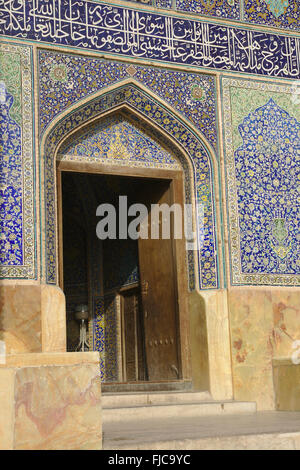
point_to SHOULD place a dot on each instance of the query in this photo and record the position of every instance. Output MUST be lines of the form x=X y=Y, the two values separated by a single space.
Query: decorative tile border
x=271 y=231
x=152 y=110
x=19 y=182
x=104 y=28
x=216 y=8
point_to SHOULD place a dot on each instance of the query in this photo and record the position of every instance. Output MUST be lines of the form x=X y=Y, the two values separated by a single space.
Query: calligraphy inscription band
x=140 y=34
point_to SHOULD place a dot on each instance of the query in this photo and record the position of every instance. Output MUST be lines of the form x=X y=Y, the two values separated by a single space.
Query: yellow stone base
x=32 y=318
x=286 y=384
x=264 y=325
x=50 y=401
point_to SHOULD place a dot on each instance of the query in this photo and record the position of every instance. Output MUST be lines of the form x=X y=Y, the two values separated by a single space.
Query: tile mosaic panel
x=65 y=78
x=219 y=8
x=17 y=240
x=116 y=141
x=106 y=337
x=155 y=3
x=278 y=13
x=145 y=2
x=145 y=35
x=262 y=158
x=11 y=249
x=164 y=3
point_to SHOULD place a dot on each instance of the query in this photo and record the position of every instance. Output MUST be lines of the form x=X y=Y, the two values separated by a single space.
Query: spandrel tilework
x=65 y=79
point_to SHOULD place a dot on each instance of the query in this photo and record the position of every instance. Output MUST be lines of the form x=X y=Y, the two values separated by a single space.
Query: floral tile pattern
x=217 y=8
x=11 y=249
x=66 y=78
x=106 y=339
x=267 y=173
x=17 y=239
x=116 y=141
x=263 y=178
x=278 y=13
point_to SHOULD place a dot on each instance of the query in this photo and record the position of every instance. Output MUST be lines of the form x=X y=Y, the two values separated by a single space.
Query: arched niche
x=174 y=134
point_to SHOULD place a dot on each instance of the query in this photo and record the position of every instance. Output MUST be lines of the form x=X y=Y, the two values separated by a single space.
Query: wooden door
x=159 y=295
x=134 y=367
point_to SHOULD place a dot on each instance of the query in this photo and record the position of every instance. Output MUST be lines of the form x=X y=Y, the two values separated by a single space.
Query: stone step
x=133 y=387
x=255 y=431
x=175 y=410
x=280 y=441
x=122 y=400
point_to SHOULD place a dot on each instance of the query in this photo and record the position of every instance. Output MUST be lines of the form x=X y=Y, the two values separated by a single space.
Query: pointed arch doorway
x=136 y=290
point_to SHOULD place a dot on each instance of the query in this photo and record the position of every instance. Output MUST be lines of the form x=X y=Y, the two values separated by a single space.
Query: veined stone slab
x=52 y=402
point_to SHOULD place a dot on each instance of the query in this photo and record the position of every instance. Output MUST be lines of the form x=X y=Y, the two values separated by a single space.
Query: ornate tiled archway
x=143 y=108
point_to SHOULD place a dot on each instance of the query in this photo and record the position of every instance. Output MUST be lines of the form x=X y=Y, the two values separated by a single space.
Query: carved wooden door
x=159 y=295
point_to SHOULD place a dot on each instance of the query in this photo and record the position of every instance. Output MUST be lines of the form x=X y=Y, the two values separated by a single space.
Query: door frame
x=176 y=179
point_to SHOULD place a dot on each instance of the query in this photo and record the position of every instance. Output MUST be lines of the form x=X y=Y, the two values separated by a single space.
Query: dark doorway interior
x=129 y=285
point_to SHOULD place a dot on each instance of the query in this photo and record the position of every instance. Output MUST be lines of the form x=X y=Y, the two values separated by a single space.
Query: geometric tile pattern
x=263 y=186
x=17 y=239
x=202 y=185
x=64 y=79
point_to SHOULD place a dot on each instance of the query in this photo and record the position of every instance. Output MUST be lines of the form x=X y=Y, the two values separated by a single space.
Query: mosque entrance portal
x=134 y=289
